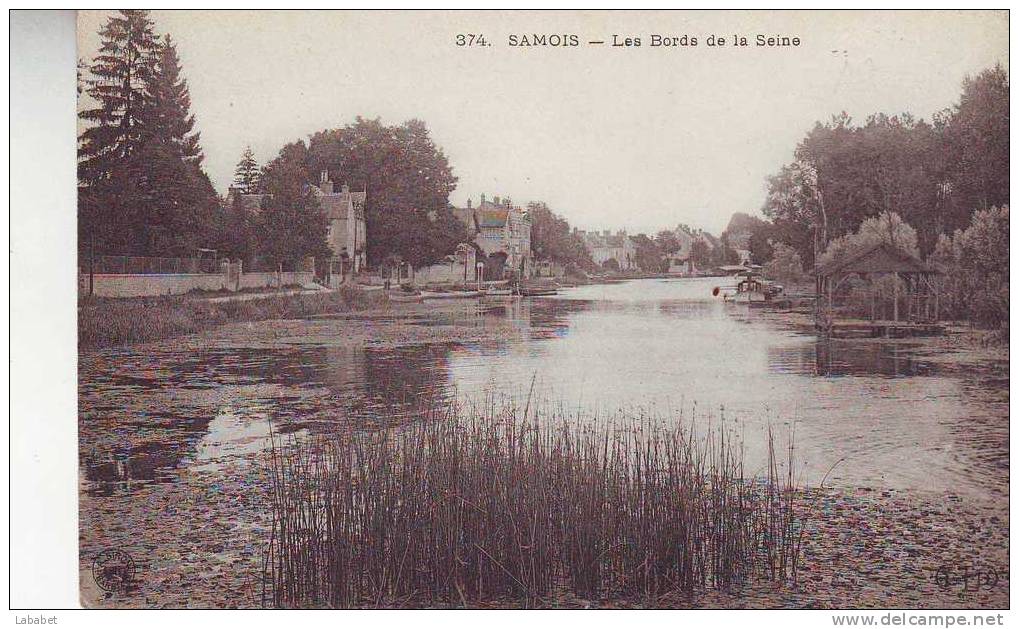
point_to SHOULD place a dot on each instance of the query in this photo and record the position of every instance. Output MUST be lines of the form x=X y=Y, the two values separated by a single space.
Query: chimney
x=482 y=198
x=507 y=202
x=468 y=203
x=326 y=185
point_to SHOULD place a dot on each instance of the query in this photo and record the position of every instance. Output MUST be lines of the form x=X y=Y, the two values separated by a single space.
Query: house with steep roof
x=347 y=231
x=681 y=261
x=501 y=231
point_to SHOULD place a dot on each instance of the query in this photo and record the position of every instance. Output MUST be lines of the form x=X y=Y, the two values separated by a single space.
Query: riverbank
x=107 y=322
x=199 y=543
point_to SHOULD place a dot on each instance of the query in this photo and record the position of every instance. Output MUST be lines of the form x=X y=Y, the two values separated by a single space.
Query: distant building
x=606 y=246
x=681 y=261
x=347 y=232
x=502 y=231
x=345 y=210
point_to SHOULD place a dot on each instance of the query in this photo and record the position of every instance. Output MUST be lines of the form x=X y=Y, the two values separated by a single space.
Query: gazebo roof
x=878 y=258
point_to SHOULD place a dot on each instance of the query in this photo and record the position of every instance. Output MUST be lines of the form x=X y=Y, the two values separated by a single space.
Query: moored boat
x=536 y=291
x=453 y=294
x=402 y=297
x=751 y=289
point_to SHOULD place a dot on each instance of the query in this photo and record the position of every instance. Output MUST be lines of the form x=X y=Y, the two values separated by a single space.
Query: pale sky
x=637 y=138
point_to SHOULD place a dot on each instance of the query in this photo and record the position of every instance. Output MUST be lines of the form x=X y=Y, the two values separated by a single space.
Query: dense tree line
x=923 y=186
x=934 y=175
x=407 y=178
x=553 y=239
x=142 y=189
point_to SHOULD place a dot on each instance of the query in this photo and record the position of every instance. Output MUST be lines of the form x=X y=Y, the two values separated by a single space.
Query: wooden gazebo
x=921 y=316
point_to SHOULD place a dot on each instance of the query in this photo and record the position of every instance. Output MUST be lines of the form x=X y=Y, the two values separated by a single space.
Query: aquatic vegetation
x=501 y=504
x=104 y=322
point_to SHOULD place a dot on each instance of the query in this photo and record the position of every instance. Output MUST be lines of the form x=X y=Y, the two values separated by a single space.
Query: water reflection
x=830 y=358
x=662 y=344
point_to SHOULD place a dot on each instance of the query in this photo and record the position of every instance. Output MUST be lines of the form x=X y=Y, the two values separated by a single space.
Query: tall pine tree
x=119 y=78
x=109 y=171
x=180 y=198
x=141 y=187
x=246 y=175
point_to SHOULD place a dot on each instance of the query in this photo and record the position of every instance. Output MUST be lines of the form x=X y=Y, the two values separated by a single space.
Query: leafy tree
x=408 y=180
x=933 y=175
x=978 y=135
x=700 y=252
x=667 y=242
x=649 y=257
x=785 y=265
x=888 y=228
x=291 y=224
x=553 y=239
x=246 y=174
x=975 y=263
x=724 y=253
x=235 y=232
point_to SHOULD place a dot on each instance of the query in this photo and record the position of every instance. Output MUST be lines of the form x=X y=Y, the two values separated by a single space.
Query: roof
x=337 y=205
x=596 y=240
x=878 y=258
x=711 y=240
x=466 y=216
x=495 y=217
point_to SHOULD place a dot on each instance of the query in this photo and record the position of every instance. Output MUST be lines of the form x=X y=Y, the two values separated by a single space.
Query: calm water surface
x=893 y=418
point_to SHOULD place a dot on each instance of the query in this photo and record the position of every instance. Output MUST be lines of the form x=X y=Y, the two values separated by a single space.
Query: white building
x=606 y=246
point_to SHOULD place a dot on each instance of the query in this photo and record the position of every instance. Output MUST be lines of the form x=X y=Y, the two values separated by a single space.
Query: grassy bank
x=473 y=507
x=105 y=322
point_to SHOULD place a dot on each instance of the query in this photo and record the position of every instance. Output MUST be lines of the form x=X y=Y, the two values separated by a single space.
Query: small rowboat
x=537 y=292
x=455 y=294
x=401 y=297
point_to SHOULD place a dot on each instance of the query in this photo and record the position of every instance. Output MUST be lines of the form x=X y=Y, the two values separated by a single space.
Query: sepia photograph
x=557 y=310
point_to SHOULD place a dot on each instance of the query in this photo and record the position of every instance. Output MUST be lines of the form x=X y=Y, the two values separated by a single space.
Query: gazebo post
x=895 y=303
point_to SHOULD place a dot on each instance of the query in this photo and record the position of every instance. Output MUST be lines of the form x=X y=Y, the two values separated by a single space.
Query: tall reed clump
x=104 y=322
x=484 y=505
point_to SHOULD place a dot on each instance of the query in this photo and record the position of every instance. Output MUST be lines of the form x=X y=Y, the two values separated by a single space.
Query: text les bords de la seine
x=569 y=40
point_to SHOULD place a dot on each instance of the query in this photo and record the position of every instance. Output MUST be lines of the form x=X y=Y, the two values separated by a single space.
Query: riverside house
x=613 y=250
x=502 y=232
x=681 y=261
x=346 y=233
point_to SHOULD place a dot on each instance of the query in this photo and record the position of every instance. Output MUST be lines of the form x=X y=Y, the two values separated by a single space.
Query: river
x=863 y=414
